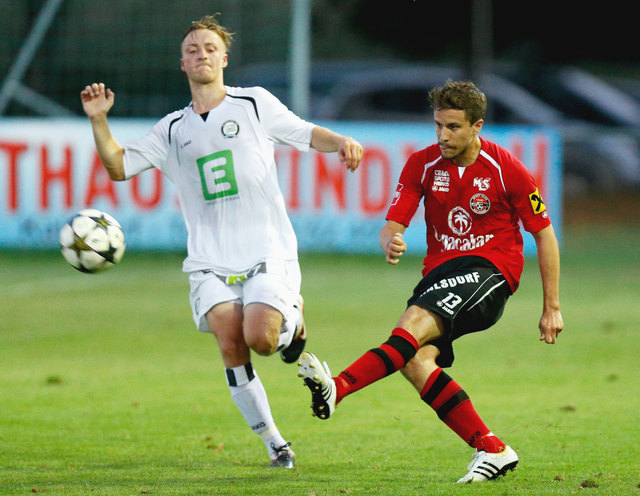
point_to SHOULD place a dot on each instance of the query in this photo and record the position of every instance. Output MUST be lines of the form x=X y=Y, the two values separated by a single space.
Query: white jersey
x=226 y=179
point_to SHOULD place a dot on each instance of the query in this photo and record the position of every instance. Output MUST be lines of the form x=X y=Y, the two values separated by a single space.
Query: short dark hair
x=460 y=95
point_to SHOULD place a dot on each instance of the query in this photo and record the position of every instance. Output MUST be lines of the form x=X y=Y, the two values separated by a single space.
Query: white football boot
x=318 y=379
x=487 y=466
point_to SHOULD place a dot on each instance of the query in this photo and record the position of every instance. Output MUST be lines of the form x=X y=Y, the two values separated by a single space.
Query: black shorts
x=469 y=293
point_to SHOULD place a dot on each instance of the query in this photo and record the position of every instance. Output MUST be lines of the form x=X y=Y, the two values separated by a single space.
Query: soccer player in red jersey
x=476 y=194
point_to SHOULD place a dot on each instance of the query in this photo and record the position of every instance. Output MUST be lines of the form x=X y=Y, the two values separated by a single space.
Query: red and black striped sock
x=454 y=408
x=377 y=363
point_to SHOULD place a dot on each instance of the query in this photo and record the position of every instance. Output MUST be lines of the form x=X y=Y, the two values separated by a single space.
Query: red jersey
x=474 y=210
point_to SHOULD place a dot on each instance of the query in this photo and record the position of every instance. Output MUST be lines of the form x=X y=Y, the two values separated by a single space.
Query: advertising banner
x=50 y=170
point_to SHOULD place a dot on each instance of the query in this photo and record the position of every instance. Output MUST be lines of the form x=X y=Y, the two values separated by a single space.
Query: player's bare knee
x=262 y=325
x=419 y=368
x=263 y=346
x=424 y=325
x=263 y=341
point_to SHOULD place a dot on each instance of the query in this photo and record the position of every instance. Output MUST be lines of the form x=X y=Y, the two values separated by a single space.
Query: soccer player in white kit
x=242 y=251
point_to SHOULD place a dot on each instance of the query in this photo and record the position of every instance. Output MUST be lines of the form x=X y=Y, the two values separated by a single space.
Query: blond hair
x=209 y=22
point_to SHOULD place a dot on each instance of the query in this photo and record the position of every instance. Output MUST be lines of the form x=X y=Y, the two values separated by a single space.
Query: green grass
x=106 y=388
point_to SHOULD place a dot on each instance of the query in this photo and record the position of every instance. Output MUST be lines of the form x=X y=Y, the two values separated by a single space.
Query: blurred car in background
x=576 y=93
x=628 y=85
x=596 y=110
x=599 y=123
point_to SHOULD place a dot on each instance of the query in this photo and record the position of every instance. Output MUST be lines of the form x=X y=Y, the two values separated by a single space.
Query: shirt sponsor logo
x=480 y=203
x=463 y=244
x=537 y=204
x=230 y=129
x=441 y=180
x=482 y=183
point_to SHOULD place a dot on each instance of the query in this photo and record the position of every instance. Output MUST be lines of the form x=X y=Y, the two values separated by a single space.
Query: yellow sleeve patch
x=537 y=204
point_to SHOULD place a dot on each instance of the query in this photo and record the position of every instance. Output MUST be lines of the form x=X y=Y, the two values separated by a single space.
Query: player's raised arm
x=96 y=103
x=349 y=150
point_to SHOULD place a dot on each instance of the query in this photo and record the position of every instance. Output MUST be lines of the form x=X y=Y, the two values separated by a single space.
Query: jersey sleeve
x=281 y=124
x=526 y=198
x=408 y=193
x=149 y=151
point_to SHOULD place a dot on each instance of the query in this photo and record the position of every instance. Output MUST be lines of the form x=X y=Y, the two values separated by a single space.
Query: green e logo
x=217 y=175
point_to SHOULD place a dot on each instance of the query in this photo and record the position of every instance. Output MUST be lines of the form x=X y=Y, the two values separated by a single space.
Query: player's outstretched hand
x=550 y=326
x=350 y=153
x=96 y=100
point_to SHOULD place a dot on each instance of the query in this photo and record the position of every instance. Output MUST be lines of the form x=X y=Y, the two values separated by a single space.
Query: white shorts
x=276 y=284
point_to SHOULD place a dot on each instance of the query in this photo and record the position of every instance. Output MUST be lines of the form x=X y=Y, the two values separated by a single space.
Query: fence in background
x=131 y=45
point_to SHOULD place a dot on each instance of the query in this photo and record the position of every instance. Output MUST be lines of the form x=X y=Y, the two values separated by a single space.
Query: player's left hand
x=550 y=325
x=350 y=153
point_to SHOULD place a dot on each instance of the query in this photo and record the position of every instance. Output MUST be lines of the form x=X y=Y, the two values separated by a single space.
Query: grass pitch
x=106 y=388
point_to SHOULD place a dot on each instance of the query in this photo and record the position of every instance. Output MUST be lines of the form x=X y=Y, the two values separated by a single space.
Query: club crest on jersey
x=480 y=203
x=230 y=129
x=459 y=221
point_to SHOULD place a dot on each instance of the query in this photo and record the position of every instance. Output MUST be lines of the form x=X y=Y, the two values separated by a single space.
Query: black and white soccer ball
x=92 y=241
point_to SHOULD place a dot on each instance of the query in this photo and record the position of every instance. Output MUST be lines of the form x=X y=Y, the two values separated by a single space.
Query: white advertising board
x=50 y=170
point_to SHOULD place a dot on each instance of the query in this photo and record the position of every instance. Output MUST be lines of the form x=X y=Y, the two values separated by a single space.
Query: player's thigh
x=278 y=289
x=206 y=292
x=468 y=294
x=468 y=299
x=225 y=319
x=483 y=308
x=261 y=327
x=268 y=298
x=421 y=323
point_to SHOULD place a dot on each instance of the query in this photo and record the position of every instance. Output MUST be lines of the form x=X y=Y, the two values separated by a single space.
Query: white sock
x=250 y=397
x=272 y=440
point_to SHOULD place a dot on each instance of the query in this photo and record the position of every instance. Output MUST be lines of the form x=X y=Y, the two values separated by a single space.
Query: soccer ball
x=92 y=241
